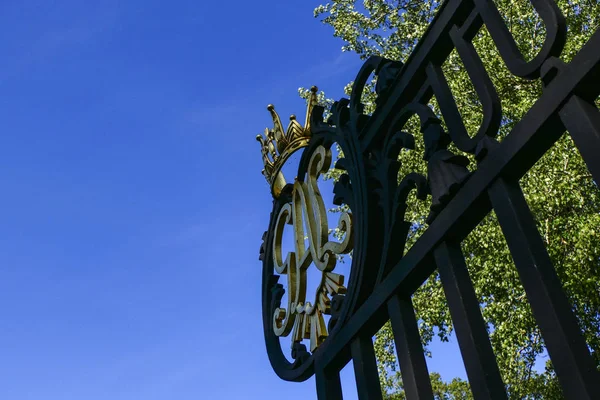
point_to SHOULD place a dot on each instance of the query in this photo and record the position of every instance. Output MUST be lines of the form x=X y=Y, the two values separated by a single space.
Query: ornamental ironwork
x=383 y=276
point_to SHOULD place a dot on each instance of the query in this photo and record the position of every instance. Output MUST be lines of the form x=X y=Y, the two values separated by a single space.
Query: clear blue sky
x=132 y=200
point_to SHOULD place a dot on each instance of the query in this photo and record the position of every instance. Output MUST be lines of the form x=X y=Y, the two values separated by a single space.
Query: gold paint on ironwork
x=304 y=319
x=277 y=146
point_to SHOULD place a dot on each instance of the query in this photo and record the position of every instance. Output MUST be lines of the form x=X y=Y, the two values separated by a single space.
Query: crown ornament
x=278 y=145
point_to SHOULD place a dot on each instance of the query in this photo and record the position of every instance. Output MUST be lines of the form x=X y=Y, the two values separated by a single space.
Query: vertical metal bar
x=409 y=349
x=582 y=120
x=474 y=342
x=365 y=369
x=572 y=361
x=329 y=386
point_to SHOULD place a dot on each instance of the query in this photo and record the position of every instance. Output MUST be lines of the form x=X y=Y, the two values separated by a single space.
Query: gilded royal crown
x=277 y=146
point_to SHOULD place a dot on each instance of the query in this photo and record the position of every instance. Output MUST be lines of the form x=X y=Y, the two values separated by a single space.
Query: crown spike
x=313 y=100
x=278 y=134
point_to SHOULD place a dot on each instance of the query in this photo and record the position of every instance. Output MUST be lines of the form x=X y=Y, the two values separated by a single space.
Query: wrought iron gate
x=382 y=277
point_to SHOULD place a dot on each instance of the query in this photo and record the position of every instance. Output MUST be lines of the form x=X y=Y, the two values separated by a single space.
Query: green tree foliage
x=559 y=190
x=456 y=389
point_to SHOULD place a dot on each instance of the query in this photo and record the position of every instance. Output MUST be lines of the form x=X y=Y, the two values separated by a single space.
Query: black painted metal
x=365 y=368
x=409 y=349
x=480 y=363
x=329 y=386
x=382 y=277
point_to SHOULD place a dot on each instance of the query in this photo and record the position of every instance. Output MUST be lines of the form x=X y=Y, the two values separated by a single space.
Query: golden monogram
x=304 y=317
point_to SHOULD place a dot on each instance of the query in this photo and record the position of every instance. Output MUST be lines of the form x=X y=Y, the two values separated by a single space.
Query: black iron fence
x=382 y=277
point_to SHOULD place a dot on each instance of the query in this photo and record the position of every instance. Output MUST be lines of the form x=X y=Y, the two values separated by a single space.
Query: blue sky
x=133 y=204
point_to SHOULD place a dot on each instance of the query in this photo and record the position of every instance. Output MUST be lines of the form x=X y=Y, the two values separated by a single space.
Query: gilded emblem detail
x=304 y=316
x=277 y=144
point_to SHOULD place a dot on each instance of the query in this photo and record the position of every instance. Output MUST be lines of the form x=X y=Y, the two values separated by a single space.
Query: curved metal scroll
x=556 y=33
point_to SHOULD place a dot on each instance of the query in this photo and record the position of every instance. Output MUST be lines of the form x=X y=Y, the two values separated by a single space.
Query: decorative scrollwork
x=556 y=32
x=377 y=231
x=392 y=197
x=304 y=319
x=446 y=172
